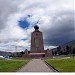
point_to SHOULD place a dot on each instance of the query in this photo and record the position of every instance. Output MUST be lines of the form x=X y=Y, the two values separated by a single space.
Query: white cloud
x=53 y=16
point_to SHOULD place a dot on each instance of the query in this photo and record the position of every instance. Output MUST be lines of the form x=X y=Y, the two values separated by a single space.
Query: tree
x=52 y=52
x=67 y=49
x=64 y=52
x=59 y=50
x=21 y=53
x=73 y=50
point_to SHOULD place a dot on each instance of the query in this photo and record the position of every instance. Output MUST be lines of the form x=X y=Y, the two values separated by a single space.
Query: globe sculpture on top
x=36 y=27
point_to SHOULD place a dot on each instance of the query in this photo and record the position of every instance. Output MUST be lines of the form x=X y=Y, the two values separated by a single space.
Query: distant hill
x=2 y=53
x=71 y=43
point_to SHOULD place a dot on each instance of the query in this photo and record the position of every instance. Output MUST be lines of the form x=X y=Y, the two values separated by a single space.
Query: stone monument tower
x=37 y=45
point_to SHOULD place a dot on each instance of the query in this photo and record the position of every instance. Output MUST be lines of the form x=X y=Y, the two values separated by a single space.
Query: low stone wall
x=33 y=56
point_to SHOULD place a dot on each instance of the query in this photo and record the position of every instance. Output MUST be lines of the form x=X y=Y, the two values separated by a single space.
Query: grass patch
x=11 y=65
x=62 y=65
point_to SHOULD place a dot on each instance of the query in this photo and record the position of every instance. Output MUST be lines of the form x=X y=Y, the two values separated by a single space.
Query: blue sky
x=17 y=19
x=23 y=24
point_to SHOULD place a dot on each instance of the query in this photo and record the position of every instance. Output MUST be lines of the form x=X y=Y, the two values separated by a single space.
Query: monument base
x=34 y=55
x=37 y=55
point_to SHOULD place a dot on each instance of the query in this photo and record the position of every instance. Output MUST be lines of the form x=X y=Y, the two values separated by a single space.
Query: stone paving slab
x=35 y=65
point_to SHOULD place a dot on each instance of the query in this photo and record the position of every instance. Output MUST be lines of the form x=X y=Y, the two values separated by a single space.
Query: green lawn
x=62 y=65
x=11 y=65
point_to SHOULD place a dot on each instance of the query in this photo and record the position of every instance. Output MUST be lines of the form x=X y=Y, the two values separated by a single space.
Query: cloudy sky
x=18 y=17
